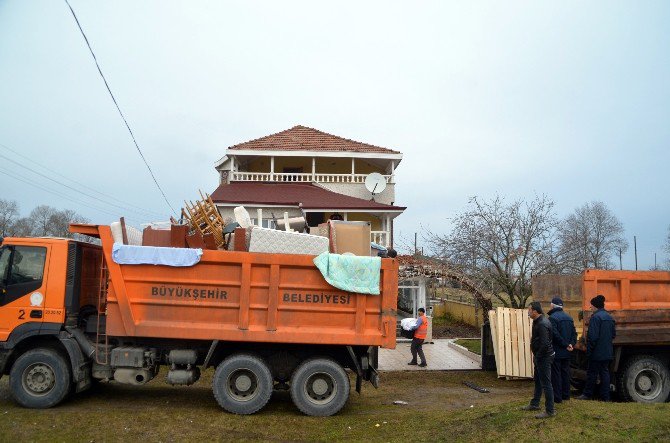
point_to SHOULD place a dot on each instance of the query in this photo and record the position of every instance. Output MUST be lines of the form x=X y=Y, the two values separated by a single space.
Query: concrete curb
x=464 y=351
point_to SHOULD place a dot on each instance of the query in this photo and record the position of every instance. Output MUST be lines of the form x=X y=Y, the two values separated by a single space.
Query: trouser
x=543 y=383
x=598 y=368
x=417 y=347
x=560 y=379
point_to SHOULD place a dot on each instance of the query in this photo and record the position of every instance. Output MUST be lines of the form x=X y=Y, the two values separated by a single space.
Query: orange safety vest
x=422 y=331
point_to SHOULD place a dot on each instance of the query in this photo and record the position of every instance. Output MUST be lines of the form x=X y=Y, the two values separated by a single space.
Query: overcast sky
x=568 y=99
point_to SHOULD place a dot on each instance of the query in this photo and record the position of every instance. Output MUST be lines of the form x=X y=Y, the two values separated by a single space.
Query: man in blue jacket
x=599 y=350
x=564 y=337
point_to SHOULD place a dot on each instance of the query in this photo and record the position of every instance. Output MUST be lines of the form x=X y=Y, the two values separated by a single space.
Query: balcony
x=302 y=177
x=381 y=238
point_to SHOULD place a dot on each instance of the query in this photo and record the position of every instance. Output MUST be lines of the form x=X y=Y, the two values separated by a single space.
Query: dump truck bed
x=639 y=301
x=246 y=297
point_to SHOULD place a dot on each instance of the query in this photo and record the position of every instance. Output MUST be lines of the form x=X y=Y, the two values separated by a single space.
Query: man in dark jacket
x=543 y=356
x=599 y=350
x=564 y=337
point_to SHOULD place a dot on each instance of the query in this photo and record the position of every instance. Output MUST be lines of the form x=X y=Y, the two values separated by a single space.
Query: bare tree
x=41 y=219
x=501 y=245
x=22 y=227
x=59 y=222
x=9 y=213
x=591 y=237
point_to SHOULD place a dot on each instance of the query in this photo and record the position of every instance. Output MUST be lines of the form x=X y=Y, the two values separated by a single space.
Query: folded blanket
x=350 y=273
x=153 y=255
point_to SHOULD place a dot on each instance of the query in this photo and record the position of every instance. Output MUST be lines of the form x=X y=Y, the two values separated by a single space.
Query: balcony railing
x=381 y=238
x=301 y=177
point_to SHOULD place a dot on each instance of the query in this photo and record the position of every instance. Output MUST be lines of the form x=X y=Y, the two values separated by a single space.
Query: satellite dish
x=375 y=183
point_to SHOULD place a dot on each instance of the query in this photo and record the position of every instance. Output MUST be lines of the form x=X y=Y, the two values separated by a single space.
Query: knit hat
x=556 y=301
x=537 y=307
x=598 y=302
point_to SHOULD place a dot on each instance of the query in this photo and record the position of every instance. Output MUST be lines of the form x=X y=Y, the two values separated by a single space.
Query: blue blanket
x=153 y=255
x=350 y=273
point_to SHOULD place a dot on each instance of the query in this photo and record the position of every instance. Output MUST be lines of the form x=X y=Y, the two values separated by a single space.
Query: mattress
x=282 y=242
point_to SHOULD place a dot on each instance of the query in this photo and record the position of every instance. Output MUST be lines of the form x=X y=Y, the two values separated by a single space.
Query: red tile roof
x=302 y=138
x=292 y=194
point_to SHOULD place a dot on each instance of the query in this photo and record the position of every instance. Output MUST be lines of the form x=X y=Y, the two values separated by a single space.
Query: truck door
x=22 y=286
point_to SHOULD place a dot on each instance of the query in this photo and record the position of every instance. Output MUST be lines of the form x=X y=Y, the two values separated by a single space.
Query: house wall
x=375 y=222
x=359 y=190
x=226 y=211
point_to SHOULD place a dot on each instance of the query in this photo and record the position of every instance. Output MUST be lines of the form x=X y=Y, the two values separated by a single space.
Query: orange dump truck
x=70 y=315
x=639 y=301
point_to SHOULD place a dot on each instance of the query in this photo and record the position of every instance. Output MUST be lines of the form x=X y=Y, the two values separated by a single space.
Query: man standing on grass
x=564 y=337
x=599 y=350
x=543 y=356
x=420 y=332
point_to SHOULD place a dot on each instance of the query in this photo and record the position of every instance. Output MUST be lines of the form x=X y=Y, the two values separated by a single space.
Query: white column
x=272 y=168
x=392 y=171
x=346 y=216
x=232 y=168
x=353 y=169
x=260 y=217
x=313 y=168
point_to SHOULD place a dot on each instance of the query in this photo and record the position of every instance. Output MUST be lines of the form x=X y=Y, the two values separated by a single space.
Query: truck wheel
x=40 y=379
x=320 y=387
x=242 y=384
x=645 y=379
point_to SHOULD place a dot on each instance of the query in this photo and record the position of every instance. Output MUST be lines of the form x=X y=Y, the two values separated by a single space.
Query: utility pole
x=655 y=268
x=415 y=248
x=635 y=243
x=620 y=262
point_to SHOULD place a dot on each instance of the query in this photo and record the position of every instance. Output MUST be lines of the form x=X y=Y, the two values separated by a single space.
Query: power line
x=58 y=194
x=139 y=211
x=118 y=108
x=62 y=184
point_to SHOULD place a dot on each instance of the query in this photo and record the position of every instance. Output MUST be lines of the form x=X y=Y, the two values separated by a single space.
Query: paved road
x=440 y=357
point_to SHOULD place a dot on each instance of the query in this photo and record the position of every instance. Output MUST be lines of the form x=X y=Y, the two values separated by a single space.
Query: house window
x=267 y=223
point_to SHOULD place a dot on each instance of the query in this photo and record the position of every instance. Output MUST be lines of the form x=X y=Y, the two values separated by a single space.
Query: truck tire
x=320 y=387
x=242 y=384
x=40 y=379
x=644 y=379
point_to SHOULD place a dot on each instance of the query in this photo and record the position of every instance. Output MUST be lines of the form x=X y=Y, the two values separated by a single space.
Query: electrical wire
x=118 y=108
x=61 y=183
x=127 y=206
x=58 y=194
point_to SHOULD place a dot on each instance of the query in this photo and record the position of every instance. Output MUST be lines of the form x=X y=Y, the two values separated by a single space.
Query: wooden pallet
x=510 y=333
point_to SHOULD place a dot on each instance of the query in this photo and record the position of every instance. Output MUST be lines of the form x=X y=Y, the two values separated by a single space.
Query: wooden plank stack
x=510 y=333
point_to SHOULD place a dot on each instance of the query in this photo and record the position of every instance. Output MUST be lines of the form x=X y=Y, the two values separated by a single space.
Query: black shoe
x=423 y=365
x=583 y=397
x=545 y=414
x=412 y=363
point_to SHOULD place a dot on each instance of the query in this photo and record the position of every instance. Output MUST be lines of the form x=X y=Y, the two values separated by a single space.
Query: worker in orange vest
x=420 y=332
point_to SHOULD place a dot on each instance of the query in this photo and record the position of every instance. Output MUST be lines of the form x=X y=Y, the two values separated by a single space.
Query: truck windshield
x=5 y=252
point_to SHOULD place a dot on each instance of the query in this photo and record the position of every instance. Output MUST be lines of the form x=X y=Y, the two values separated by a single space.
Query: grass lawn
x=440 y=408
x=472 y=345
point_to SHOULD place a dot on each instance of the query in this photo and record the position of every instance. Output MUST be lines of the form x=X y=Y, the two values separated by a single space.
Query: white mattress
x=282 y=242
